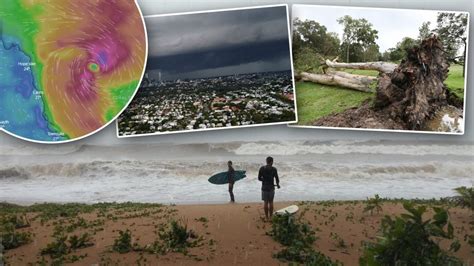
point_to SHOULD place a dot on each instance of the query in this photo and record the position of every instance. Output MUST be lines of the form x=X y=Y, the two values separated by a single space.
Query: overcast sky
x=392 y=25
x=219 y=43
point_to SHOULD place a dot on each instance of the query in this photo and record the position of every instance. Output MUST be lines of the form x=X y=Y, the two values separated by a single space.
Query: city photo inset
x=214 y=70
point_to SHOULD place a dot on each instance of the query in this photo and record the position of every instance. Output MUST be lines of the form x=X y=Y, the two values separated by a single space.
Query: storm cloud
x=219 y=43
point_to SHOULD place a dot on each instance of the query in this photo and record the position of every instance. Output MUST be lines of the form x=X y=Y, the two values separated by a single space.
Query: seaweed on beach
x=123 y=244
x=374 y=203
x=297 y=238
x=10 y=235
x=174 y=238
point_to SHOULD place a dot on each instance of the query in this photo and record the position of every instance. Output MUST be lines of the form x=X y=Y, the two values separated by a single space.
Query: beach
x=230 y=234
x=156 y=184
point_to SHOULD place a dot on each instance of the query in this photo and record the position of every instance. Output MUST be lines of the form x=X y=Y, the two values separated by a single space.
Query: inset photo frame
x=210 y=70
x=379 y=69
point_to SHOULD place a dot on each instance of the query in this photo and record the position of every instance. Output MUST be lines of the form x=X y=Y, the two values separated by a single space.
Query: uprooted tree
x=406 y=94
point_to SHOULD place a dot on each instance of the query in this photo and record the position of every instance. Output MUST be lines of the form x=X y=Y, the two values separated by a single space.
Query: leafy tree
x=400 y=51
x=311 y=34
x=410 y=240
x=385 y=56
x=358 y=35
x=307 y=60
x=452 y=29
x=372 y=53
x=425 y=31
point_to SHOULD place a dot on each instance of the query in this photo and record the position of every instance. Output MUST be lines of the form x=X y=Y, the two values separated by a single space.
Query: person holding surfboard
x=231 y=180
x=268 y=175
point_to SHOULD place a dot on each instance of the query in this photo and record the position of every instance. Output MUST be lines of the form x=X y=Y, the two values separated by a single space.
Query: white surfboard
x=288 y=210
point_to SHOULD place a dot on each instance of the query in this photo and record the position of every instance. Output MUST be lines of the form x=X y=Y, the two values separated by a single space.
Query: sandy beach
x=227 y=233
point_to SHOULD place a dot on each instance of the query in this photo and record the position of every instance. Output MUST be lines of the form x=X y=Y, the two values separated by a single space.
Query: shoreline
x=221 y=203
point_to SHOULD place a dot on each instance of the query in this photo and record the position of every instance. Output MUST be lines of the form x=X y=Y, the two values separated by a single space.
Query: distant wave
x=282 y=148
x=32 y=149
x=345 y=147
x=197 y=169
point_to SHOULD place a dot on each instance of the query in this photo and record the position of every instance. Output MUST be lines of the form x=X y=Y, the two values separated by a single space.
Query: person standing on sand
x=267 y=175
x=231 y=179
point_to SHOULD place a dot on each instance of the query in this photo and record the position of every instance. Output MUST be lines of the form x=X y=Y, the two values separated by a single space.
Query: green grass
x=316 y=101
x=455 y=80
x=373 y=73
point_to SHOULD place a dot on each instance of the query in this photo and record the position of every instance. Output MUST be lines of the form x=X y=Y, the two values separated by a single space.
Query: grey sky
x=220 y=43
x=393 y=25
x=193 y=32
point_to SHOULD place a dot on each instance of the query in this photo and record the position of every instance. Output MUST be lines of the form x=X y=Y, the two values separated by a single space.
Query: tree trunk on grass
x=383 y=67
x=342 y=79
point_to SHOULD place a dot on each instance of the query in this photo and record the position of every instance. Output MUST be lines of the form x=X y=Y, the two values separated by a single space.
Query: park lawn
x=373 y=73
x=315 y=101
x=455 y=80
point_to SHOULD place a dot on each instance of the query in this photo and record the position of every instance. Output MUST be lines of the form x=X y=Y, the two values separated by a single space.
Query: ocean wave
x=14 y=172
x=344 y=147
x=281 y=148
x=32 y=150
x=199 y=169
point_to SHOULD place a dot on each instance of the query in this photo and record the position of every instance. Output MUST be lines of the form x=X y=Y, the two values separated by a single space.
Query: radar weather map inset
x=68 y=68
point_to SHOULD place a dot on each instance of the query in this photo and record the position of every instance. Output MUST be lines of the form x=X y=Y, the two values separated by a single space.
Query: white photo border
x=231 y=127
x=111 y=120
x=294 y=125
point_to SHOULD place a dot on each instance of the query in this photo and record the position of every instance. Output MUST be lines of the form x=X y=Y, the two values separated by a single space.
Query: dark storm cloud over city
x=219 y=43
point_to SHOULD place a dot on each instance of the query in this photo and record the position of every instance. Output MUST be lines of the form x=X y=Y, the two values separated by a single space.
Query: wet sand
x=231 y=233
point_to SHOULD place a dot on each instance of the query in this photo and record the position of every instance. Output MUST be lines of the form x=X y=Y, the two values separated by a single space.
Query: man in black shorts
x=267 y=175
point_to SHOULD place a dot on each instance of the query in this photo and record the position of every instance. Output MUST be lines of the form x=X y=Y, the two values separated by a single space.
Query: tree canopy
x=452 y=29
x=424 y=30
x=312 y=34
x=358 y=38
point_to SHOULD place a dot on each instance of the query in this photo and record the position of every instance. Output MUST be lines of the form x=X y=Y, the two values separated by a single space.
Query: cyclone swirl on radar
x=68 y=68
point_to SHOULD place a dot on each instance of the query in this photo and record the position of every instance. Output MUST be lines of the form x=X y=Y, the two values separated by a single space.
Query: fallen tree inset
x=406 y=96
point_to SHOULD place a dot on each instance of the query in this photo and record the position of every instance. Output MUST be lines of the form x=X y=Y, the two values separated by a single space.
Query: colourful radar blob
x=68 y=68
